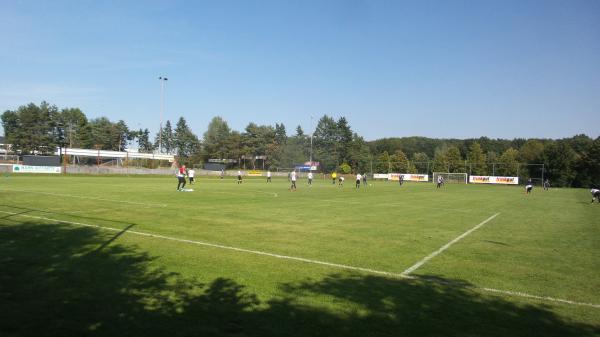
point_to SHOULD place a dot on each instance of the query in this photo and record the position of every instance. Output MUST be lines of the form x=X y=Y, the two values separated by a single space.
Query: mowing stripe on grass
x=383 y=204
x=446 y=246
x=91 y=198
x=335 y=265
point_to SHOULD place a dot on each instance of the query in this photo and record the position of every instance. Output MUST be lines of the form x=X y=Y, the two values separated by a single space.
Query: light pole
x=162 y=80
x=312 y=131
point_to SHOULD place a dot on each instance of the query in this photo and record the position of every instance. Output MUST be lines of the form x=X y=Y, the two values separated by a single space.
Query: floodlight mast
x=162 y=80
x=312 y=131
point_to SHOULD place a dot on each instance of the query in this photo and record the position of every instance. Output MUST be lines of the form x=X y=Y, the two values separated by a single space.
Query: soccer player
x=269 y=176
x=595 y=194
x=310 y=178
x=440 y=181
x=365 y=179
x=358 y=179
x=529 y=186
x=401 y=179
x=191 y=174
x=239 y=181
x=333 y=176
x=222 y=173
x=341 y=180
x=181 y=178
x=546 y=184
x=293 y=179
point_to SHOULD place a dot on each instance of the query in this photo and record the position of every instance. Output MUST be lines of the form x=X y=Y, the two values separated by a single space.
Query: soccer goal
x=453 y=178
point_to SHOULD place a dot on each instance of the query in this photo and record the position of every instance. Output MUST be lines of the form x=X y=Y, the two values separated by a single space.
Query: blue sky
x=392 y=68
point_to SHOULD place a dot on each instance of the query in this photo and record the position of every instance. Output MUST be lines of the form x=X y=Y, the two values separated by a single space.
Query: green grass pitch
x=131 y=256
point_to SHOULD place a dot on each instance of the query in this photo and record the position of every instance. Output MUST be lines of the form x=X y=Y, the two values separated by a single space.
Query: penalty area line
x=300 y=259
x=446 y=246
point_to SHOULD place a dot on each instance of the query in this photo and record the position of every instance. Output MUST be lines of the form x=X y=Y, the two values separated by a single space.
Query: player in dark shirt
x=546 y=184
x=528 y=187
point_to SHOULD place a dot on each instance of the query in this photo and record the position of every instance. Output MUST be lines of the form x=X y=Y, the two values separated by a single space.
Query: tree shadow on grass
x=54 y=281
x=433 y=307
x=80 y=217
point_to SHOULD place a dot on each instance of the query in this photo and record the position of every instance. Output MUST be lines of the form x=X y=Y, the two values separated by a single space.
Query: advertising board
x=493 y=180
x=17 y=168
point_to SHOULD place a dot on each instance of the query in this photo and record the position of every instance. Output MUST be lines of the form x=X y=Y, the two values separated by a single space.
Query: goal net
x=452 y=178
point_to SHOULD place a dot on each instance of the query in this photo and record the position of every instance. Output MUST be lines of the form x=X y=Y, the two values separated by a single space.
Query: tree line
x=571 y=161
x=33 y=129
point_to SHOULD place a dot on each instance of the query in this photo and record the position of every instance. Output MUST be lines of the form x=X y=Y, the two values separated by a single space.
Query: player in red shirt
x=181 y=178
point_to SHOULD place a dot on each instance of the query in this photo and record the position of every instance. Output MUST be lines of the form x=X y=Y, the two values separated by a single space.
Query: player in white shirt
x=358 y=179
x=269 y=176
x=293 y=179
x=310 y=178
x=239 y=181
x=528 y=187
x=595 y=194
x=191 y=174
x=341 y=180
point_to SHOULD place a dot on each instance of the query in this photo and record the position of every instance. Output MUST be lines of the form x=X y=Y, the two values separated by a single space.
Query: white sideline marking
x=91 y=198
x=446 y=246
x=336 y=265
x=216 y=246
x=547 y=298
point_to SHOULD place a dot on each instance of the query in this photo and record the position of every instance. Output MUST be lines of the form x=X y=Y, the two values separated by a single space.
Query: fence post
x=65 y=162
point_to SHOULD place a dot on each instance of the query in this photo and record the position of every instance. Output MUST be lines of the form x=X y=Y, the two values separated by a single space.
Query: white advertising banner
x=493 y=180
x=409 y=177
x=35 y=169
x=381 y=176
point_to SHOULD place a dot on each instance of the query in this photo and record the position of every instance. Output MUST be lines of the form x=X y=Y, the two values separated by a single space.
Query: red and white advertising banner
x=409 y=177
x=493 y=180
